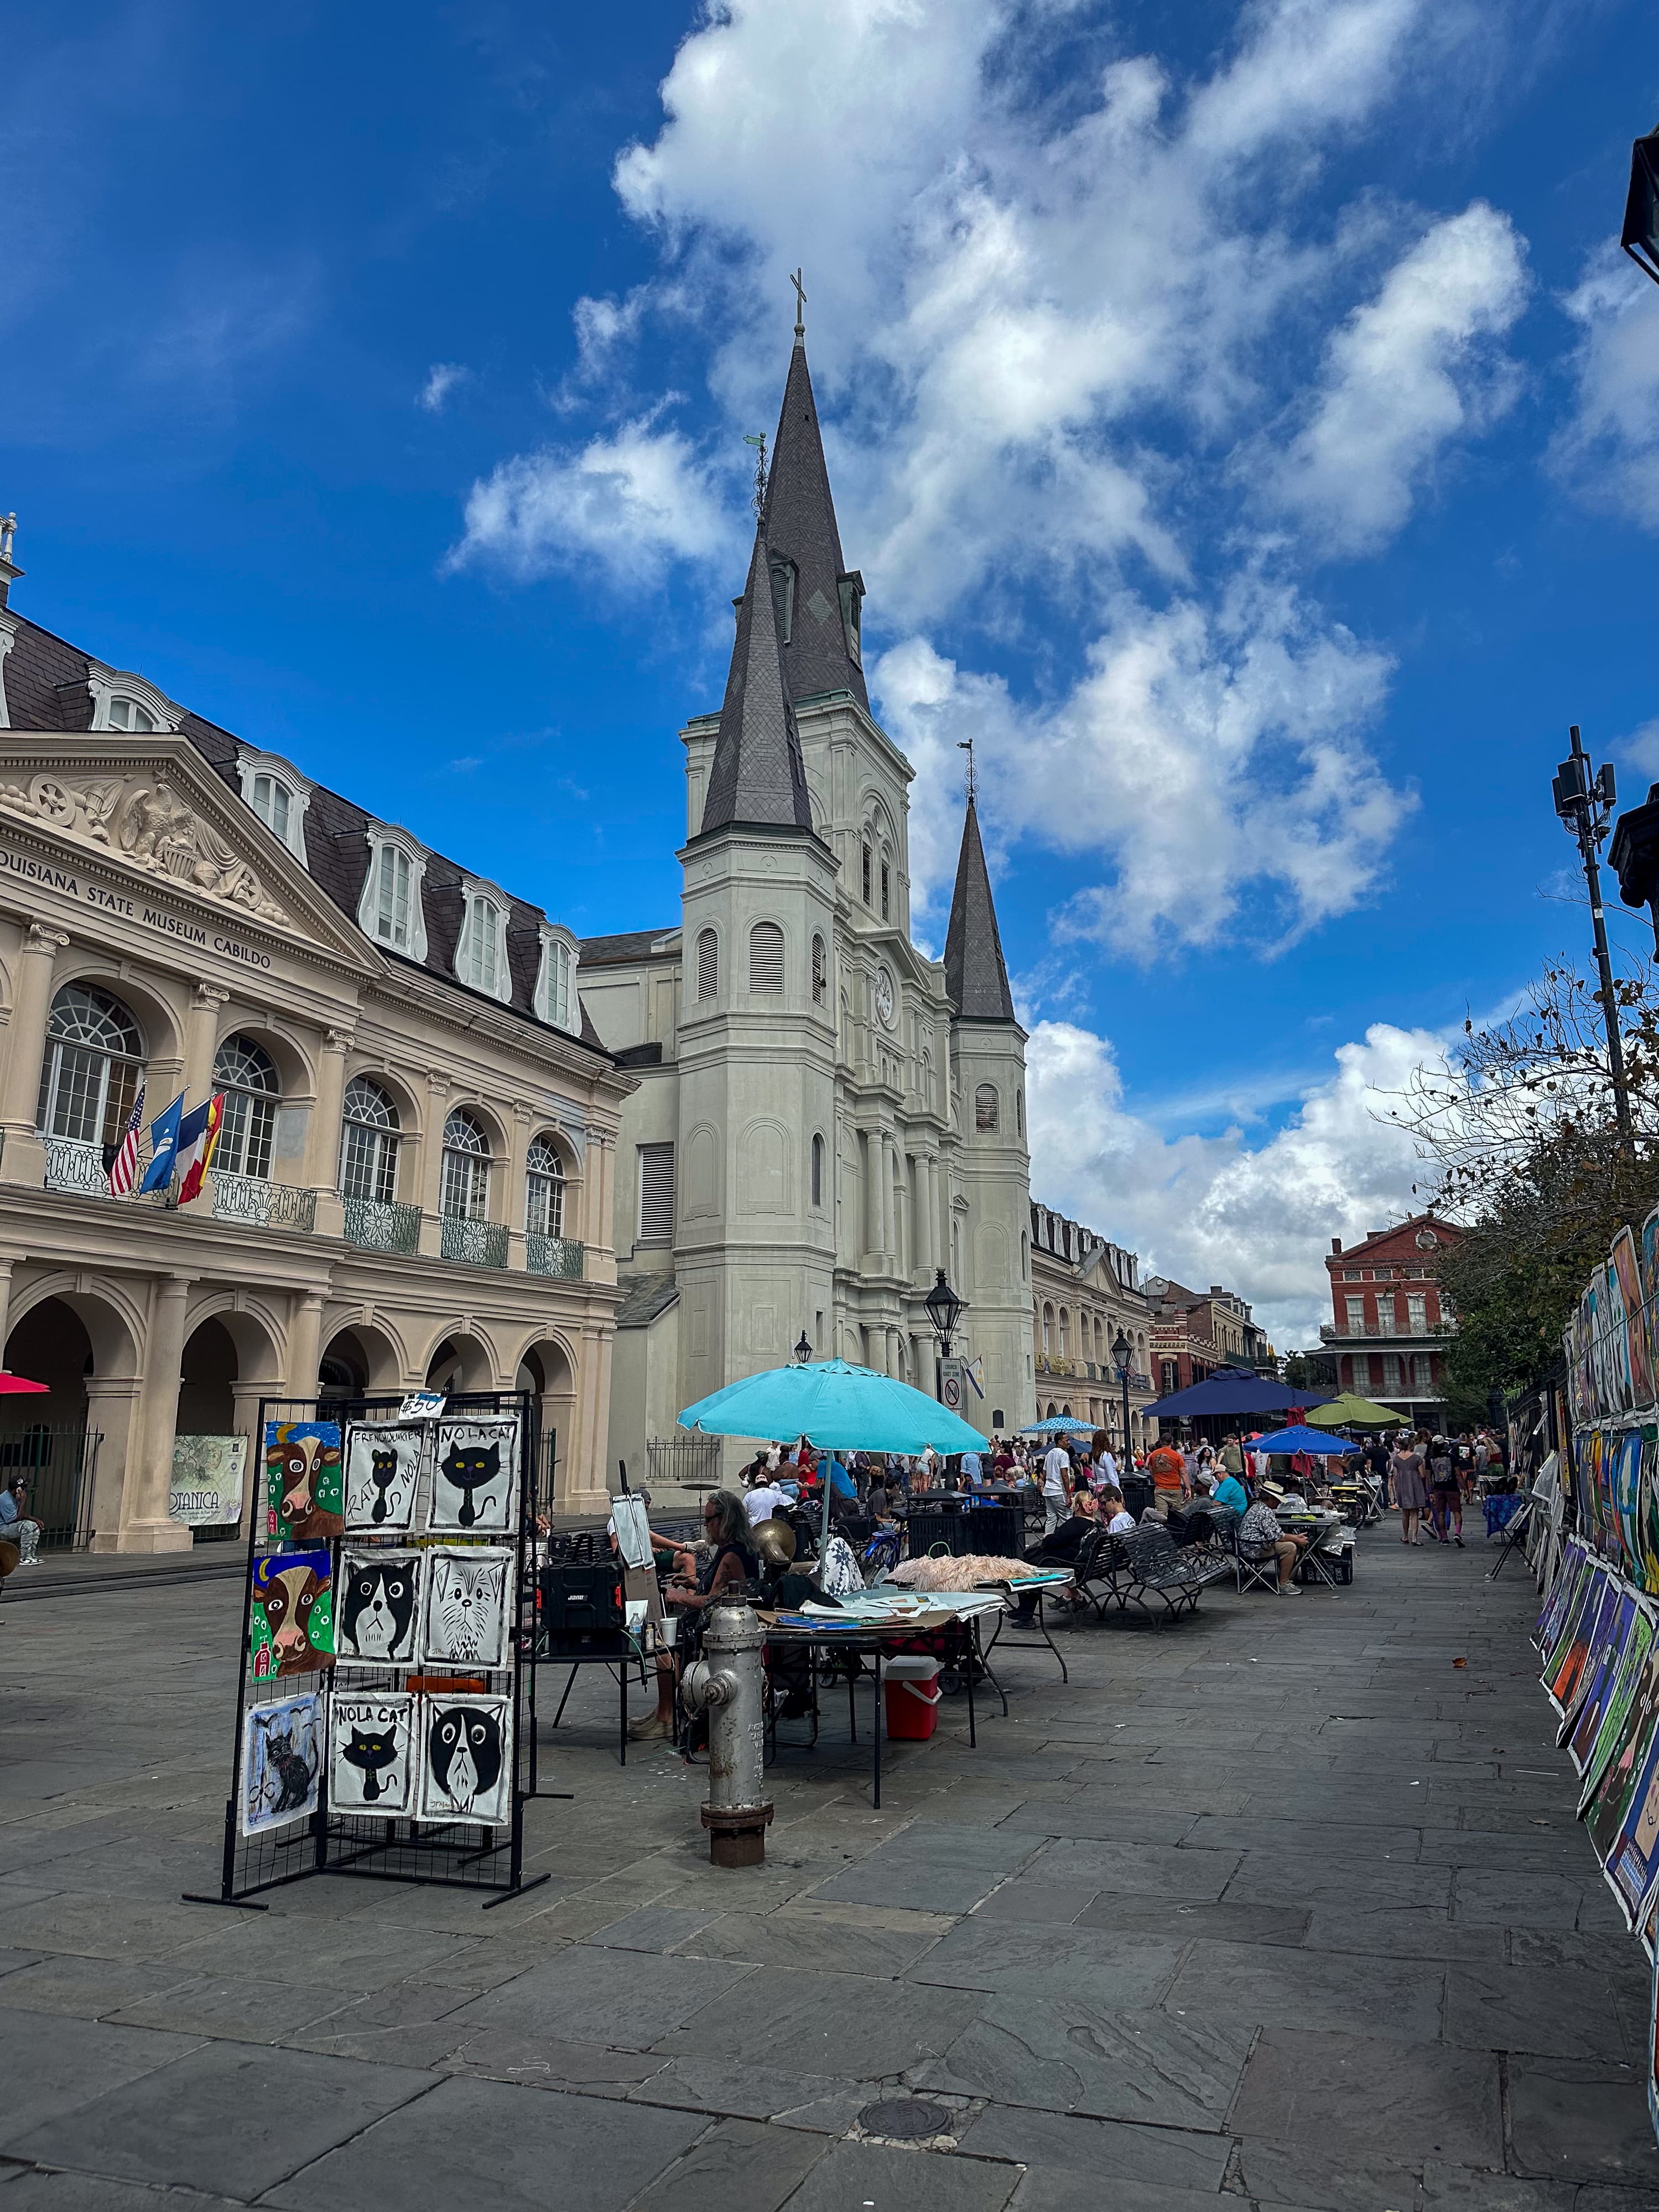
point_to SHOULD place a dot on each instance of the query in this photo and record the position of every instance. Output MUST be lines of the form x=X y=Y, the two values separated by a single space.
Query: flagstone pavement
x=1283 y=1903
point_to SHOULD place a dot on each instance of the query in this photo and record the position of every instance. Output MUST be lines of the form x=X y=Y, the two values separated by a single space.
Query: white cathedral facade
x=825 y=1117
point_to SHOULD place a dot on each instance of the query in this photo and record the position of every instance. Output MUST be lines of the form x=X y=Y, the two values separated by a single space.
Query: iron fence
x=474 y=1243
x=554 y=1255
x=59 y=1464
x=689 y=1462
x=382 y=1227
x=267 y=1204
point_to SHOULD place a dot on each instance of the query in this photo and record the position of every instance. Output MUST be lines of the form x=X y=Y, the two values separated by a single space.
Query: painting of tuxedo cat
x=281 y=1763
x=371 y=1756
x=380 y=1606
x=382 y=1476
x=466 y=1760
x=467 y=1615
x=475 y=1476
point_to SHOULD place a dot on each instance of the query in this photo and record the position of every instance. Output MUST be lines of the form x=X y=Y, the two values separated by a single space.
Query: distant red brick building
x=1388 y=1325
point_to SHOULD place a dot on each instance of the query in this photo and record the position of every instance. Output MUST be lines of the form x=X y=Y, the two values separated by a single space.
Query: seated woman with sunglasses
x=731 y=1562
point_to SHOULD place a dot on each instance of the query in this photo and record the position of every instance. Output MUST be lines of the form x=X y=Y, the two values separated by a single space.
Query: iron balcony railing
x=554 y=1255
x=1374 y=1332
x=474 y=1243
x=382 y=1226
x=265 y=1204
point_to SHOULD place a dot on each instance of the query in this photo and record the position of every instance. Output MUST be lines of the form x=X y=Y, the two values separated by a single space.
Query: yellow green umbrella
x=1349 y=1412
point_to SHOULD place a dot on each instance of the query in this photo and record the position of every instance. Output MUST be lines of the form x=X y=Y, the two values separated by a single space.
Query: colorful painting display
x=281 y=1763
x=291 y=1618
x=1599 y=1617
x=1628 y=1677
x=1578 y=1729
x=475 y=1480
x=372 y=1760
x=1609 y=1802
x=1626 y=1269
x=468 y=1614
x=1584 y=1596
x=466 y=1760
x=380 y=1606
x=383 y=1463
x=1573 y=1657
x=304 y=1499
x=1575 y=1557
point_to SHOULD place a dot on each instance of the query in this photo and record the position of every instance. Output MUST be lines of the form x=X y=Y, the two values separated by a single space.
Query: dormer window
x=851 y=588
x=481 y=952
x=278 y=795
x=783 y=595
x=555 y=983
x=390 y=910
x=125 y=713
x=121 y=700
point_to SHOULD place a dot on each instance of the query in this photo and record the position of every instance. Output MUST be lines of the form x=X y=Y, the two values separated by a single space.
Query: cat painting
x=282 y=1759
x=467 y=1615
x=382 y=1475
x=474 y=1484
x=380 y=1606
x=303 y=1500
x=371 y=1763
x=466 y=1762
x=291 y=1618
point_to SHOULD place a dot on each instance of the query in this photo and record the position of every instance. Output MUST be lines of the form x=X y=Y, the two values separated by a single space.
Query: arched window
x=886 y=889
x=246 y=1074
x=1065 y=1334
x=986 y=1112
x=820 y=971
x=708 y=964
x=556 y=996
x=394 y=879
x=543 y=1214
x=481 y=953
x=1019 y=1112
x=368 y=1149
x=464 y=1185
x=1025 y=1257
x=1047 y=1329
x=271 y=801
x=766 y=958
x=127 y=715
x=817 y=1171
x=864 y=872
x=95 y=1060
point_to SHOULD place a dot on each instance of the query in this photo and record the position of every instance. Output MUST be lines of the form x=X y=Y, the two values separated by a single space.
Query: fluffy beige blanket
x=963 y=1574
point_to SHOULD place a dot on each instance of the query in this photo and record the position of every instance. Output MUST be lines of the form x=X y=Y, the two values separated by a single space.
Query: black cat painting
x=475 y=1488
x=467 y=1771
x=380 y=1608
x=370 y=1767
x=282 y=1759
x=382 y=1475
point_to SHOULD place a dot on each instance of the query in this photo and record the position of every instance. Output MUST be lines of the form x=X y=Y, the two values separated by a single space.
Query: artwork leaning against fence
x=380 y=1606
x=371 y=1758
x=469 y=1592
x=475 y=1479
x=281 y=1763
x=383 y=1462
x=466 y=1759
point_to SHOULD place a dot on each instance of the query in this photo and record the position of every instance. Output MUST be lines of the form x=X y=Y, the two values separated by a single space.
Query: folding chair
x=1254 y=1574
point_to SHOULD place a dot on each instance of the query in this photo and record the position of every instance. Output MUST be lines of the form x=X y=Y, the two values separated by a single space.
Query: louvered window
x=766 y=956
x=709 y=965
x=656 y=1194
x=985 y=1106
x=820 y=971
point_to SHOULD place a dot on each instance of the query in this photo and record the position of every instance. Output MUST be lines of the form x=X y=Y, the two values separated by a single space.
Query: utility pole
x=1584 y=802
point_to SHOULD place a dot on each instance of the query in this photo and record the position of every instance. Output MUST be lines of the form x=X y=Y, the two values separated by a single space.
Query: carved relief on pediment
x=143 y=820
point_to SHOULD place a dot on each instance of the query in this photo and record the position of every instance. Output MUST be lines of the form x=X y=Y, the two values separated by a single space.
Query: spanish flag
x=198 y=1135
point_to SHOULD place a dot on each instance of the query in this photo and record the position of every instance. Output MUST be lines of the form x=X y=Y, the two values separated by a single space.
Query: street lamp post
x=1120 y=1354
x=803 y=1352
x=944 y=1309
x=1640 y=239
x=1584 y=802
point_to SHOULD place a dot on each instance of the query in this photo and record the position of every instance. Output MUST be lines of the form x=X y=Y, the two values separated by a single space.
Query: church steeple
x=820 y=601
x=974 y=975
x=757 y=774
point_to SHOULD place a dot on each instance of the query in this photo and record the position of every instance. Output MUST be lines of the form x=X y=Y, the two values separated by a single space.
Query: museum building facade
x=413 y=1183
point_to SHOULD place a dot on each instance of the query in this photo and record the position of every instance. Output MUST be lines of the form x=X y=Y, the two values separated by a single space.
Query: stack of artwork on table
x=380 y=1691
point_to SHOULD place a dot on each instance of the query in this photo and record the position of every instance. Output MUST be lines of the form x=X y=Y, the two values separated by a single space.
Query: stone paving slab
x=1274 y=1907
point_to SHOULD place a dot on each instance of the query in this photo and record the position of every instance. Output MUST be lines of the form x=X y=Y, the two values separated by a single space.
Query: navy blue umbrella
x=1235 y=1392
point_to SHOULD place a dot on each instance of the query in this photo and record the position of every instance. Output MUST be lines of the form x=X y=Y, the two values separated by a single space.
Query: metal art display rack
x=457 y=1854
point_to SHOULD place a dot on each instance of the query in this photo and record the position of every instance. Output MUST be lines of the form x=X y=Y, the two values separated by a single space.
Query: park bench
x=1148 y=1569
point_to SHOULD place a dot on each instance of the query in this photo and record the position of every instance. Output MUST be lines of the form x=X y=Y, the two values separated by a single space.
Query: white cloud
x=1610 y=450
x=1407 y=373
x=624 y=506
x=441 y=379
x=1256 y=1217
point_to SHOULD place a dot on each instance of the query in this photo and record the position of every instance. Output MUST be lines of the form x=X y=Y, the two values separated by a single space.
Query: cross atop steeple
x=966 y=745
x=800 y=308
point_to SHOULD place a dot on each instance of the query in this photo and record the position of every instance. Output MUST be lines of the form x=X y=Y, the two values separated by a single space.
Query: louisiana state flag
x=198 y=1135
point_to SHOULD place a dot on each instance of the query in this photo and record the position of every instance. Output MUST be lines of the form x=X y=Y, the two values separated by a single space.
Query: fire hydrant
x=727 y=1683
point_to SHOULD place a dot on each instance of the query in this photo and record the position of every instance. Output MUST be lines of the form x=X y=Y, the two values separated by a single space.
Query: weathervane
x=966 y=745
x=758 y=438
x=800 y=306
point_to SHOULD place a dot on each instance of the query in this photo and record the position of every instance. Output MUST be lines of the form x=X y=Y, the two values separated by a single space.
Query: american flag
x=123 y=1167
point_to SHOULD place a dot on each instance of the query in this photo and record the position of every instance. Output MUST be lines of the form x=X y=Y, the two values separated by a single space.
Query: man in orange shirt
x=1168 y=1469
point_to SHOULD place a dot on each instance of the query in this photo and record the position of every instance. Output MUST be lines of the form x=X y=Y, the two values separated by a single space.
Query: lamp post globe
x=944 y=1309
x=803 y=1350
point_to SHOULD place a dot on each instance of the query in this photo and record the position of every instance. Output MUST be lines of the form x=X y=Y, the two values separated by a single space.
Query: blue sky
x=1244 y=425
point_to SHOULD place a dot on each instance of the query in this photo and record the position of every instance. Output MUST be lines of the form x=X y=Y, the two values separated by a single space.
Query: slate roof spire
x=757 y=775
x=974 y=975
x=820 y=599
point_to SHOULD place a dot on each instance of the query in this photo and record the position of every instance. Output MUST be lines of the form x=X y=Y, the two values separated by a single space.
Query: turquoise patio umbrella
x=836 y=1408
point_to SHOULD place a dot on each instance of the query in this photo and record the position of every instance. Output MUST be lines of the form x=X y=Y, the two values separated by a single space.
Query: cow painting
x=304 y=1494
x=291 y=1619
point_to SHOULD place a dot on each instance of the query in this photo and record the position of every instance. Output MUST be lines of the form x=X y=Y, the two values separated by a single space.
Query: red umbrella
x=9 y=1382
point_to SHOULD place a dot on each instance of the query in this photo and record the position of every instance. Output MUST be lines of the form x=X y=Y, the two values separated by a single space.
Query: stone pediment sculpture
x=140 y=819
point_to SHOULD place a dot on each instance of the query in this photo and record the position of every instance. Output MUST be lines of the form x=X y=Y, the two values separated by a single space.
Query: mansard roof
x=799 y=522
x=47 y=688
x=975 y=975
x=757 y=778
